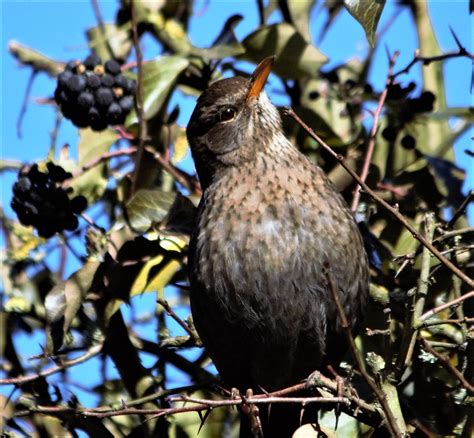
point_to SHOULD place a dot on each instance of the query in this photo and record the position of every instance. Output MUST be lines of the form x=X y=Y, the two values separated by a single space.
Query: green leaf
x=219 y=52
x=92 y=145
x=36 y=60
x=458 y=112
x=157 y=272
x=170 y=32
x=159 y=77
x=299 y=12
x=296 y=58
x=64 y=300
x=147 y=207
x=108 y=38
x=367 y=13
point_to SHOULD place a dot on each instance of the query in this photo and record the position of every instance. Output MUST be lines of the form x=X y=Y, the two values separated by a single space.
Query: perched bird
x=268 y=222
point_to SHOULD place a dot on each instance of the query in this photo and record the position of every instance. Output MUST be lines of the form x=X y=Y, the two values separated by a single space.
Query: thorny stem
x=446 y=364
x=446 y=262
x=392 y=423
x=416 y=304
x=452 y=303
x=173 y=315
x=19 y=380
x=373 y=133
x=461 y=52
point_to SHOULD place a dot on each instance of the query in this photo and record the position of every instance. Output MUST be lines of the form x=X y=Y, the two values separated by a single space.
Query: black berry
x=112 y=67
x=93 y=81
x=85 y=99
x=76 y=83
x=389 y=133
x=126 y=103
x=408 y=142
x=91 y=61
x=104 y=96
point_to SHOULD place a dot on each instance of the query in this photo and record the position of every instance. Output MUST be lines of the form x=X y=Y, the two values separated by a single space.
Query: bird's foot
x=252 y=411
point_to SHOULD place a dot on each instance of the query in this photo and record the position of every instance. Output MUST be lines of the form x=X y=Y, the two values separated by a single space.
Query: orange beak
x=259 y=77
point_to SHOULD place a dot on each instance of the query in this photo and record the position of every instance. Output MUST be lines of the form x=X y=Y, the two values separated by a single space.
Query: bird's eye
x=226 y=114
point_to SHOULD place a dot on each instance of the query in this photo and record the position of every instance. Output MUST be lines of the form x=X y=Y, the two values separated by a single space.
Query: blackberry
x=389 y=133
x=64 y=77
x=114 y=112
x=93 y=94
x=71 y=66
x=126 y=103
x=93 y=81
x=85 y=99
x=107 y=80
x=350 y=83
x=408 y=142
x=368 y=89
x=112 y=67
x=104 y=96
x=41 y=202
x=91 y=61
x=76 y=83
x=121 y=81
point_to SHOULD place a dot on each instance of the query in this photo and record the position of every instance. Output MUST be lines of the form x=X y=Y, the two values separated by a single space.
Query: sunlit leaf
x=93 y=145
x=159 y=77
x=63 y=302
x=367 y=13
x=299 y=12
x=110 y=39
x=296 y=58
x=147 y=207
x=157 y=272
x=31 y=57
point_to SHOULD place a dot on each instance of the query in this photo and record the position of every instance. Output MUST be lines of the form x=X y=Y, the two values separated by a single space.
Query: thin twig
x=392 y=423
x=461 y=52
x=373 y=132
x=461 y=209
x=416 y=304
x=20 y=380
x=103 y=30
x=179 y=175
x=105 y=157
x=24 y=104
x=173 y=315
x=446 y=364
x=446 y=262
x=142 y=125
x=453 y=303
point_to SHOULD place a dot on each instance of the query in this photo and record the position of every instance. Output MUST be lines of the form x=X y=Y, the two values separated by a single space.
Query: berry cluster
x=402 y=110
x=95 y=95
x=40 y=201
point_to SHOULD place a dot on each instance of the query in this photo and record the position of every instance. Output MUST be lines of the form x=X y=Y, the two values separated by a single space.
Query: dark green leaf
x=298 y=14
x=36 y=60
x=147 y=207
x=159 y=76
x=296 y=58
x=92 y=145
x=63 y=302
x=367 y=13
x=115 y=39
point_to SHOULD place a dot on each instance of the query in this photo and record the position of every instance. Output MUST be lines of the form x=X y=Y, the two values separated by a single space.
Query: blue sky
x=57 y=28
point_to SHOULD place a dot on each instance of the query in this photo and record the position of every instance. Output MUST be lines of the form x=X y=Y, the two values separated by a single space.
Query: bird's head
x=232 y=122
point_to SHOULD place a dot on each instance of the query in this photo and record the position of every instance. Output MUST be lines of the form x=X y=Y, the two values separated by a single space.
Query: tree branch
x=446 y=262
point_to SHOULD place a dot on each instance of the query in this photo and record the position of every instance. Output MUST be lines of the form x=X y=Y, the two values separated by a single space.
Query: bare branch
x=446 y=262
x=373 y=132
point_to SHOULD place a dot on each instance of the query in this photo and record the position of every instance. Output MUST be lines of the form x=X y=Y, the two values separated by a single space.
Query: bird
x=268 y=224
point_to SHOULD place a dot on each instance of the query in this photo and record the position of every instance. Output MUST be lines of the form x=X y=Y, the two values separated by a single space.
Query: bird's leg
x=252 y=412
